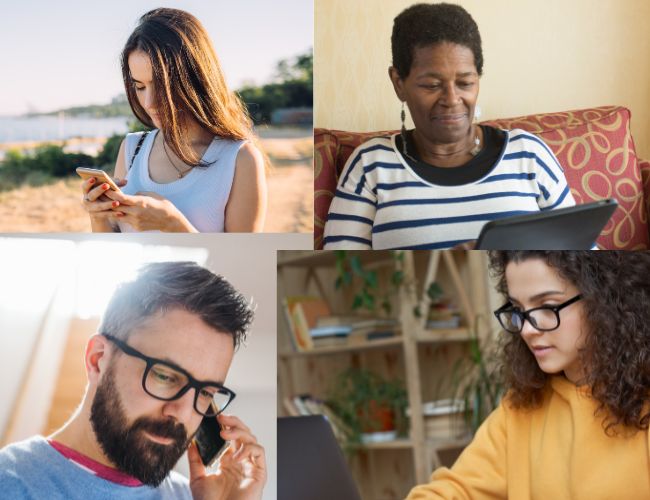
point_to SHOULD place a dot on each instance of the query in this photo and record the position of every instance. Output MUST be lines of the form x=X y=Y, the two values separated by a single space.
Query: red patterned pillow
x=596 y=149
x=332 y=148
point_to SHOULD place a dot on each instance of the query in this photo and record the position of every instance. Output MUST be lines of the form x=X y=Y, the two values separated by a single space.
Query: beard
x=126 y=445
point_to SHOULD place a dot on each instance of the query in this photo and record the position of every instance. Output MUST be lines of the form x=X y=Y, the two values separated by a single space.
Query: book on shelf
x=359 y=329
x=355 y=322
x=330 y=341
x=305 y=404
x=290 y=407
x=444 y=419
x=440 y=324
x=443 y=315
x=326 y=331
x=301 y=314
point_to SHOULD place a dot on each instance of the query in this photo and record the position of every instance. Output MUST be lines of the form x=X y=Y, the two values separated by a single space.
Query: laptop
x=571 y=228
x=310 y=463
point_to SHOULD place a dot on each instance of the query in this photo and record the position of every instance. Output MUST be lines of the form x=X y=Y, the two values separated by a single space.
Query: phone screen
x=209 y=440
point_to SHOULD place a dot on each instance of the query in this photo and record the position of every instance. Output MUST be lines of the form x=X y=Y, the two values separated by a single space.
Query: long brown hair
x=187 y=80
x=615 y=292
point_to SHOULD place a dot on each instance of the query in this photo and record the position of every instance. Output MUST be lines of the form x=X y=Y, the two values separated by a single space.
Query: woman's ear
x=398 y=83
x=96 y=357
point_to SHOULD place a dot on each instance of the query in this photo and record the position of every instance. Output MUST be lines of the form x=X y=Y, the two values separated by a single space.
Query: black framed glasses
x=543 y=318
x=166 y=381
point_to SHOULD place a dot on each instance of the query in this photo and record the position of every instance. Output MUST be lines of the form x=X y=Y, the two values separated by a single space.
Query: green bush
x=107 y=156
x=47 y=163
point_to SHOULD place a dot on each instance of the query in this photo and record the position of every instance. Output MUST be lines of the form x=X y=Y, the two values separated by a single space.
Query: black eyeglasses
x=166 y=381
x=544 y=318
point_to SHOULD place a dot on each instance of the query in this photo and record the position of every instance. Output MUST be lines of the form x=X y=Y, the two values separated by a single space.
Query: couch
x=594 y=146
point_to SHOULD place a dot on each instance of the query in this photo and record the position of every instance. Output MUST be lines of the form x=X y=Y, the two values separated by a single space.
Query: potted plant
x=476 y=380
x=370 y=406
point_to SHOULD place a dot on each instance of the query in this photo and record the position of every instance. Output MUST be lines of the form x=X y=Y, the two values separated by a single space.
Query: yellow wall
x=540 y=56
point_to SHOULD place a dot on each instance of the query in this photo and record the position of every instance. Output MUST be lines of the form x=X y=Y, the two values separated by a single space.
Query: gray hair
x=161 y=286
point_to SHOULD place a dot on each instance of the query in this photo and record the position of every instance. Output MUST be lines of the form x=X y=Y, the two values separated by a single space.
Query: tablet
x=571 y=228
x=310 y=463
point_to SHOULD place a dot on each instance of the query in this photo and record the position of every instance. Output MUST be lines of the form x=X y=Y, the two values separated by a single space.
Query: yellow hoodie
x=558 y=451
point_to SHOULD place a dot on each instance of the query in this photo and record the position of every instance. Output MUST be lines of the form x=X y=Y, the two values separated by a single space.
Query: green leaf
x=434 y=291
x=355 y=264
x=357 y=302
x=371 y=279
x=397 y=278
x=368 y=301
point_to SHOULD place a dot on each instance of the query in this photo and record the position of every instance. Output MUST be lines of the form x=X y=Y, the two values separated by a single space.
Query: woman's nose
x=148 y=99
x=528 y=330
x=449 y=95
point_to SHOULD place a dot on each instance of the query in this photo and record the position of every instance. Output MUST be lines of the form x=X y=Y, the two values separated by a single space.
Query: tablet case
x=571 y=228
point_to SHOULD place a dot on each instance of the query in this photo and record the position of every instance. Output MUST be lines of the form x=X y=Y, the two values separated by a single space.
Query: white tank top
x=201 y=196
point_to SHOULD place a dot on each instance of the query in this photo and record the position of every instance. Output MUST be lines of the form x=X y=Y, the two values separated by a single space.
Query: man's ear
x=398 y=83
x=96 y=357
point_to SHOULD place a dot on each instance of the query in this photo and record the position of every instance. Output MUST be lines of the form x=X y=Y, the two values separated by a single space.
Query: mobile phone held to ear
x=209 y=440
x=100 y=175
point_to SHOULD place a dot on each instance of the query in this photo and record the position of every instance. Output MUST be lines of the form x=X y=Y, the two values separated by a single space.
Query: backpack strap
x=137 y=148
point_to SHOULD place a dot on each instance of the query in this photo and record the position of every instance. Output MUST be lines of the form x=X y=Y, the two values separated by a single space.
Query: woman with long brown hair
x=576 y=362
x=198 y=170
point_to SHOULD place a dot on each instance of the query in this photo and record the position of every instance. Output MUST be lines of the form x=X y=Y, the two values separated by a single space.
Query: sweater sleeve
x=480 y=471
x=352 y=211
x=555 y=191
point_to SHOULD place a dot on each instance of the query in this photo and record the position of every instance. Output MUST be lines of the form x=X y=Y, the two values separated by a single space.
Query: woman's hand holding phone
x=100 y=208
x=95 y=200
x=146 y=211
x=241 y=474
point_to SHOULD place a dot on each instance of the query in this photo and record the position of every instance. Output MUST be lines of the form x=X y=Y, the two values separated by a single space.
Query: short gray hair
x=162 y=286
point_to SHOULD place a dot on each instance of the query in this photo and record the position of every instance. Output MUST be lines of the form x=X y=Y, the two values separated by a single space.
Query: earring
x=403 y=131
x=477 y=113
x=477 y=142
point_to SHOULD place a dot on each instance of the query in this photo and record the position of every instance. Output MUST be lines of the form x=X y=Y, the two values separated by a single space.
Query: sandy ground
x=57 y=207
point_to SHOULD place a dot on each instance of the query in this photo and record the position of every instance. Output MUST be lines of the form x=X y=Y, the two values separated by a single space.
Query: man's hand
x=241 y=473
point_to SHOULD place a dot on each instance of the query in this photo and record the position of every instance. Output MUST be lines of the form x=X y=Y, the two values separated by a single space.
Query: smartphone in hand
x=100 y=175
x=209 y=441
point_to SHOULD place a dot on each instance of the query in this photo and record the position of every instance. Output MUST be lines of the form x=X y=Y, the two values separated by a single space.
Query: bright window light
x=31 y=270
x=102 y=266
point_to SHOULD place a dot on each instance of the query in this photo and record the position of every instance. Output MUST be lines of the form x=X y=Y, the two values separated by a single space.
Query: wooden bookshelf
x=419 y=356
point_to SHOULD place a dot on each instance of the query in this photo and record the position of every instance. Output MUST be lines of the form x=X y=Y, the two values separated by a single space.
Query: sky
x=59 y=54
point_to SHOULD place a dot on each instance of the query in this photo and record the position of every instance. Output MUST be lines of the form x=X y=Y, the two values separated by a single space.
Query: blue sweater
x=32 y=469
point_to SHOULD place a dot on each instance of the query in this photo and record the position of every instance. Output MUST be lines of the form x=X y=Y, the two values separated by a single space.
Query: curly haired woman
x=199 y=169
x=574 y=422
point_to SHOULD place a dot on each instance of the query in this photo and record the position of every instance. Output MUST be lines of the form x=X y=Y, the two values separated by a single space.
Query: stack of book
x=305 y=404
x=443 y=314
x=359 y=329
x=444 y=419
x=313 y=326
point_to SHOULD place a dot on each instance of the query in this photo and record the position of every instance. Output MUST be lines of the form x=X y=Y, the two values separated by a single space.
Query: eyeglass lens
x=165 y=383
x=542 y=319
